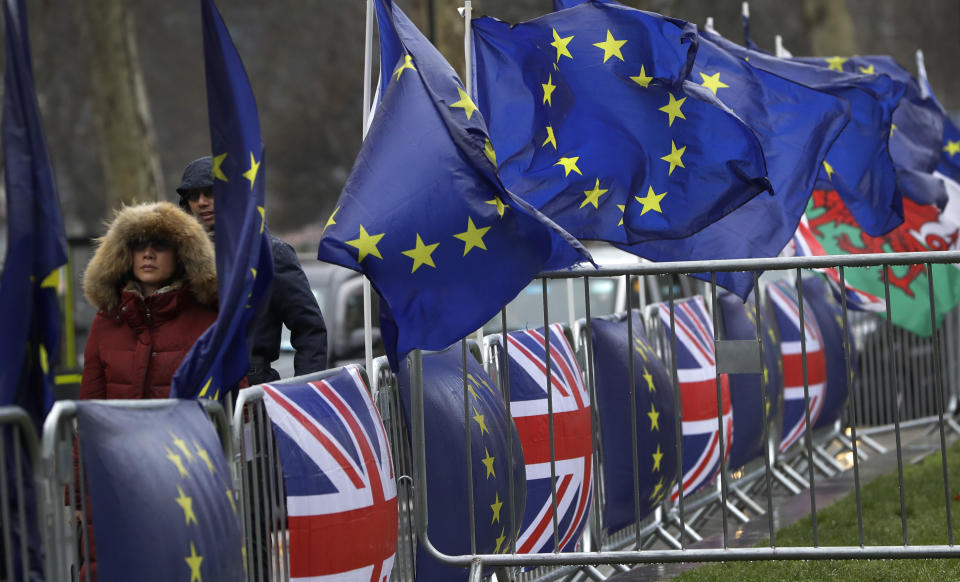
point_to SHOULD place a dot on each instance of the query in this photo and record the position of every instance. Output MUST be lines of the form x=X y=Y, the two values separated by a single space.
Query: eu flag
x=949 y=163
x=492 y=462
x=858 y=165
x=162 y=502
x=36 y=245
x=220 y=358
x=916 y=129
x=596 y=125
x=423 y=214
x=796 y=126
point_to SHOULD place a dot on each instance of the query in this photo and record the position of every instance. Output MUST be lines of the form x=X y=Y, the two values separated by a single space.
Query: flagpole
x=922 y=74
x=466 y=11
x=367 y=294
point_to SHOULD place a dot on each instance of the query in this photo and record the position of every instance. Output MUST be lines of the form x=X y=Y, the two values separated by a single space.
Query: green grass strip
x=837 y=526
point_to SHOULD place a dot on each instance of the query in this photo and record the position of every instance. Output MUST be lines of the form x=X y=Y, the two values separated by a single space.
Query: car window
x=526 y=310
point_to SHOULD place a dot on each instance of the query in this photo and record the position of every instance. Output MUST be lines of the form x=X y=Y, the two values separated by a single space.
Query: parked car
x=339 y=292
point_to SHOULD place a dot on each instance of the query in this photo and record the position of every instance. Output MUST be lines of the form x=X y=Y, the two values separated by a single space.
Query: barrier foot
x=748 y=501
x=820 y=465
x=847 y=444
x=504 y=574
x=867 y=440
x=798 y=479
x=593 y=573
x=685 y=527
x=662 y=533
x=827 y=457
x=736 y=513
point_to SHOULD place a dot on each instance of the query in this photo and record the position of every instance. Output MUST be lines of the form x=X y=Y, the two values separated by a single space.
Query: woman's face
x=154 y=263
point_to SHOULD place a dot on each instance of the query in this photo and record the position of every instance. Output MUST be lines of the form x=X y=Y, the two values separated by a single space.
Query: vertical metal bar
x=808 y=433
x=256 y=501
x=763 y=409
x=723 y=457
x=592 y=387
x=418 y=444
x=553 y=455
x=5 y=501
x=633 y=415
x=896 y=413
x=938 y=390
x=274 y=532
x=467 y=440
x=282 y=531
x=246 y=503
x=678 y=410
x=852 y=405
x=86 y=526
x=21 y=501
x=506 y=395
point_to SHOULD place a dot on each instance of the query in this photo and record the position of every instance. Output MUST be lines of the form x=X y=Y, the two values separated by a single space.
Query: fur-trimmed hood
x=112 y=263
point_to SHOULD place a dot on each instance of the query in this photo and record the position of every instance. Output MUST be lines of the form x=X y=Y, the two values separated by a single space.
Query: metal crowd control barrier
x=19 y=453
x=63 y=486
x=811 y=460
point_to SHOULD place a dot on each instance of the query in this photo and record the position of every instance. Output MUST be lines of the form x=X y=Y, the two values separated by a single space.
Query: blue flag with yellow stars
x=949 y=164
x=796 y=126
x=595 y=124
x=858 y=165
x=162 y=502
x=656 y=434
x=36 y=244
x=496 y=520
x=423 y=214
x=220 y=358
x=916 y=130
x=751 y=394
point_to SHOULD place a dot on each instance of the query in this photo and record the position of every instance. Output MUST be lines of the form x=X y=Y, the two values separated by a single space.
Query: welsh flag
x=828 y=228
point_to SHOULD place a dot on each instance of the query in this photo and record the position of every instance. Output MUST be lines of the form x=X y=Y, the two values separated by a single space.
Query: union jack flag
x=787 y=309
x=697 y=375
x=571 y=432
x=338 y=478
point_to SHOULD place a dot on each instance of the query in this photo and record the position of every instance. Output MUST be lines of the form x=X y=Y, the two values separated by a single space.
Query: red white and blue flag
x=787 y=309
x=697 y=375
x=571 y=437
x=338 y=476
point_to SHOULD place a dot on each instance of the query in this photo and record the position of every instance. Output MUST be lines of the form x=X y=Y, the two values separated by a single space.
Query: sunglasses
x=158 y=244
x=194 y=195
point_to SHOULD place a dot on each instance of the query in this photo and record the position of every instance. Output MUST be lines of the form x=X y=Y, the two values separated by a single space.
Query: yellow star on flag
x=233 y=502
x=176 y=460
x=495 y=506
x=421 y=254
x=593 y=196
x=331 y=221
x=952 y=148
x=366 y=244
x=551 y=139
x=611 y=47
x=869 y=70
x=836 y=63
x=672 y=109
x=642 y=79
x=656 y=489
x=675 y=157
x=499 y=204
x=654 y=418
x=828 y=169
x=202 y=453
x=893 y=128
x=407 y=64
x=472 y=237
x=464 y=103
x=561 y=45
x=500 y=540
x=187 y=504
x=263 y=217
x=656 y=458
x=217 y=170
x=487 y=461
x=251 y=174
x=649 y=378
x=548 y=89
x=569 y=164
x=713 y=82
x=651 y=201
x=194 y=561
x=479 y=420
x=622 y=208
x=182 y=445
x=489 y=151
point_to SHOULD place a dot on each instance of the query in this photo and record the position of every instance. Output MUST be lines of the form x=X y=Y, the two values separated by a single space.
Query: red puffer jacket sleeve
x=93 y=383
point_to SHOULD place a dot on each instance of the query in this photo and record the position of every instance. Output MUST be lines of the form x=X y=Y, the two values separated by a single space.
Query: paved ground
x=916 y=443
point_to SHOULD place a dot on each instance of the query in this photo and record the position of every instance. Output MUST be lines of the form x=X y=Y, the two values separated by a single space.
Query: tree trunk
x=131 y=166
x=831 y=28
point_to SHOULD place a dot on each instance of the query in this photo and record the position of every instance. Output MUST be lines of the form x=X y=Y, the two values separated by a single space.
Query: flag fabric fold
x=423 y=213
x=339 y=482
x=162 y=503
x=595 y=124
x=220 y=357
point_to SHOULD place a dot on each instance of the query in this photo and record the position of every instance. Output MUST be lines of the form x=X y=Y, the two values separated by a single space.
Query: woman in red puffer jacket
x=153 y=280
